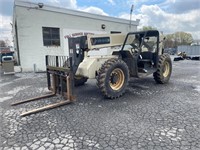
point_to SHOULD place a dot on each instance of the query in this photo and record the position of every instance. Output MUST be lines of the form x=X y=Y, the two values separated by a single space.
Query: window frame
x=51 y=36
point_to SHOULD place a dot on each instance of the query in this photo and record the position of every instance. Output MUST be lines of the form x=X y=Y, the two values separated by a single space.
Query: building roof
x=46 y=7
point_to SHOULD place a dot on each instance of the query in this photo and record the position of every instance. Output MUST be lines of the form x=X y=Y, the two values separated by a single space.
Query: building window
x=51 y=36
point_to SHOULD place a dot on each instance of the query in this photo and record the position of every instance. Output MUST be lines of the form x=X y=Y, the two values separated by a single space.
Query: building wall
x=30 y=20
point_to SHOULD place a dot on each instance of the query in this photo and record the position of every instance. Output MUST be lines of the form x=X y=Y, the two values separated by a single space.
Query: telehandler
x=136 y=54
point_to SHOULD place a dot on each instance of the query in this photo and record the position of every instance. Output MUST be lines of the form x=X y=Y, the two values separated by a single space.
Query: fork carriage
x=60 y=80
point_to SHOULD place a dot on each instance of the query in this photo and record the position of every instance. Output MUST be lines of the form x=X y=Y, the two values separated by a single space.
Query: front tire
x=163 y=73
x=79 y=80
x=113 y=78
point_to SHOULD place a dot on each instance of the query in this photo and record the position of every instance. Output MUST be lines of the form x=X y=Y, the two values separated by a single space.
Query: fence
x=189 y=50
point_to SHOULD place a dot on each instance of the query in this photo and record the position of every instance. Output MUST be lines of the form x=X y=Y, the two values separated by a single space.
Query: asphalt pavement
x=149 y=116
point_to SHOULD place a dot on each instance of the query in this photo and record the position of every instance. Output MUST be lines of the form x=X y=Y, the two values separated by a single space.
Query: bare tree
x=144 y=28
x=2 y=43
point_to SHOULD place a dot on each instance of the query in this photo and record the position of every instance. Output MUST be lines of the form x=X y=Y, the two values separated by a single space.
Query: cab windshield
x=138 y=43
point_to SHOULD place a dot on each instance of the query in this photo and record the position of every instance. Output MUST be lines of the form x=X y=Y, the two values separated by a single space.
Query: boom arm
x=105 y=40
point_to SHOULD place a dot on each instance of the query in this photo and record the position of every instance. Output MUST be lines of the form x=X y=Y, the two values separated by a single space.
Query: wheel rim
x=166 y=69
x=116 y=79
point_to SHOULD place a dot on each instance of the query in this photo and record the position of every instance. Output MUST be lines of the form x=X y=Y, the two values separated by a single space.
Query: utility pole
x=131 y=11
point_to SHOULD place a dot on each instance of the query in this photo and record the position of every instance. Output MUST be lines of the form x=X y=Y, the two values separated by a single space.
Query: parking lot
x=149 y=115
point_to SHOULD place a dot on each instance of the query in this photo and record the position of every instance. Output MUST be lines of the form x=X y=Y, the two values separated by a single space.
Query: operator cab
x=144 y=49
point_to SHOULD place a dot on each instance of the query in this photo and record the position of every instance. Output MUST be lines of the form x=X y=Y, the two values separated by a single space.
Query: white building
x=40 y=30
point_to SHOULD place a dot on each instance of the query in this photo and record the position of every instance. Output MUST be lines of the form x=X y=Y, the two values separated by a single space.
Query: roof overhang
x=31 y=5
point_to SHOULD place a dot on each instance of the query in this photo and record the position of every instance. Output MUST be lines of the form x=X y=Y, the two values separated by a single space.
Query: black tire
x=80 y=80
x=113 y=77
x=164 y=70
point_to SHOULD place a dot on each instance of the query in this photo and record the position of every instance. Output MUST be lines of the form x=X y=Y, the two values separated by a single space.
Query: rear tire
x=113 y=78
x=163 y=73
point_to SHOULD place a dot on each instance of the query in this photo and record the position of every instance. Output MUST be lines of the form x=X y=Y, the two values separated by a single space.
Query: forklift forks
x=59 y=75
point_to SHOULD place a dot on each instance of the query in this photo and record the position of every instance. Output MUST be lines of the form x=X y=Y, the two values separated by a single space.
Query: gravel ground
x=149 y=116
